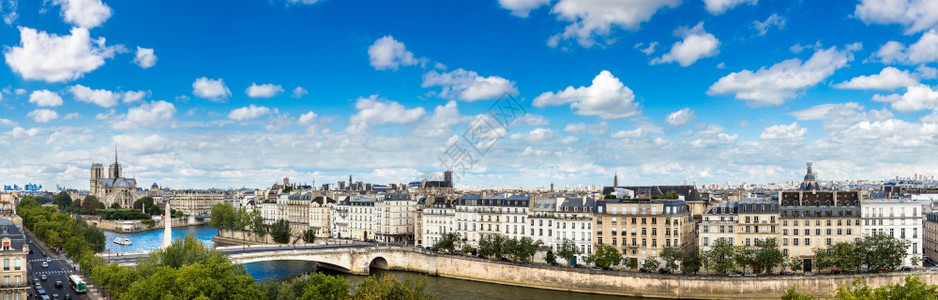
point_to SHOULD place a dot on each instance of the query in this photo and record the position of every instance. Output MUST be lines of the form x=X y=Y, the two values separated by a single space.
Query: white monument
x=168 y=228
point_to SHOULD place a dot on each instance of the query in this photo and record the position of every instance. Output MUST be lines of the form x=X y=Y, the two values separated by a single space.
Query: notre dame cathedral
x=115 y=188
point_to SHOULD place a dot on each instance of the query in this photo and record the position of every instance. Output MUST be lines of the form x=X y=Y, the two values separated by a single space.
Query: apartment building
x=817 y=219
x=394 y=215
x=320 y=210
x=479 y=215
x=13 y=251
x=757 y=220
x=362 y=217
x=541 y=221
x=195 y=202
x=719 y=222
x=640 y=228
x=901 y=219
x=574 y=221
x=339 y=219
x=930 y=235
x=438 y=219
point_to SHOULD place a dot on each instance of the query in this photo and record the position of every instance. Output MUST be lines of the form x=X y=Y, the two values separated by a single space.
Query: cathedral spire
x=115 y=154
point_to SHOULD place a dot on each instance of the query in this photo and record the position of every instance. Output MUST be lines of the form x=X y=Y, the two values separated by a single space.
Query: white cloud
x=102 y=97
x=717 y=7
x=9 y=12
x=20 y=132
x=71 y=116
x=134 y=96
x=649 y=50
x=248 y=112
x=151 y=114
x=532 y=120
x=915 y=98
x=784 y=80
x=888 y=79
x=623 y=134
x=598 y=128
x=7 y=122
x=607 y=98
x=784 y=132
x=838 y=117
x=925 y=50
x=591 y=19
x=307 y=118
x=926 y=72
x=387 y=53
x=535 y=135
x=374 y=111
x=145 y=57
x=299 y=92
x=211 y=89
x=444 y=117
x=697 y=44
x=43 y=115
x=19 y=92
x=522 y=8
x=54 y=58
x=773 y=20
x=303 y=2
x=915 y=15
x=681 y=117
x=891 y=52
x=84 y=13
x=468 y=85
x=266 y=90
x=45 y=98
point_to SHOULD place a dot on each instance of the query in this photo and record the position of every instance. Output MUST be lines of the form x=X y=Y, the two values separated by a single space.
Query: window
x=794 y=242
x=16 y=264
x=6 y=264
x=807 y=241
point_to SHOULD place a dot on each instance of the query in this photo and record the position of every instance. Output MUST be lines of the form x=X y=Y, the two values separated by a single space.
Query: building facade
x=930 y=236
x=113 y=188
x=719 y=222
x=13 y=251
x=641 y=228
x=813 y=219
x=900 y=219
x=394 y=215
x=195 y=202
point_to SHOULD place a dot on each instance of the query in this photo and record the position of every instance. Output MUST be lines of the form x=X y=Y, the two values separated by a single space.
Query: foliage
x=792 y=294
x=631 y=262
x=550 y=258
x=214 y=278
x=62 y=200
x=746 y=257
x=115 y=205
x=668 y=195
x=609 y=197
x=60 y=230
x=607 y=256
x=492 y=245
x=690 y=261
x=447 y=242
x=822 y=259
x=567 y=250
x=881 y=251
x=149 y=223
x=671 y=256
x=115 y=279
x=257 y=224
x=650 y=263
x=185 y=251
x=768 y=256
x=392 y=288
x=89 y=205
x=525 y=248
x=913 y=288
x=309 y=236
x=148 y=206
x=497 y=245
x=795 y=264
x=721 y=256
x=280 y=231
x=467 y=249
x=122 y=214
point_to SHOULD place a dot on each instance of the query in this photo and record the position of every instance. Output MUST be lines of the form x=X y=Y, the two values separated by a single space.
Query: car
x=643 y=270
x=45 y=297
x=58 y=284
x=504 y=259
x=749 y=274
x=38 y=286
x=49 y=259
x=68 y=297
x=55 y=296
x=457 y=252
x=596 y=269
x=607 y=269
x=41 y=291
x=45 y=264
x=835 y=271
x=784 y=273
x=578 y=266
x=808 y=273
x=555 y=264
x=30 y=251
x=664 y=271
x=734 y=274
x=43 y=277
x=933 y=269
x=906 y=268
x=43 y=254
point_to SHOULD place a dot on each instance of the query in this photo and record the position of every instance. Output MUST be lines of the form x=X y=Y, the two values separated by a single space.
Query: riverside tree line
x=190 y=270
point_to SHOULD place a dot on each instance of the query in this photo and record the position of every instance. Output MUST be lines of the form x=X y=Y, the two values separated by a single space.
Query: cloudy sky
x=241 y=93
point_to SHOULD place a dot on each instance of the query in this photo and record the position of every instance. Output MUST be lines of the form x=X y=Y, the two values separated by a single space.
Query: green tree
x=912 y=288
x=607 y=256
x=550 y=258
x=325 y=287
x=214 y=278
x=90 y=204
x=822 y=259
x=447 y=242
x=62 y=200
x=147 y=205
x=115 y=279
x=690 y=261
x=492 y=245
x=721 y=256
x=309 y=236
x=525 y=248
x=792 y=294
x=746 y=257
x=280 y=231
x=650 y=263
x=768 y=255
x=882 y=251
x=467 y=249
x=844 y=255
x=631 y=262
x=671 y=256
x=222 y=216
x=184 y=251
x=392 y=288
x=795 y=264
x=567 y=249
x=257 y=224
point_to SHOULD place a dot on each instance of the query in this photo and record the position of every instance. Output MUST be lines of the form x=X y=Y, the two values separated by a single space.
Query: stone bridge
x=357 y=259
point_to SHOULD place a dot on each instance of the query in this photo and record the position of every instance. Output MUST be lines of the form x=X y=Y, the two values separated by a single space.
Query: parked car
x=578 y=266
x=596 y=269
x=784 y=273
x=749 y=274
x=664 y=271
x=607 y=269
x=734 y=274
x=835 y=271
x=457 y=252
x=42 y=291
x=808 y=273
x=906 y=268
x=933 y=269
x=504 y=259
x=643 y=270
x=55 y=296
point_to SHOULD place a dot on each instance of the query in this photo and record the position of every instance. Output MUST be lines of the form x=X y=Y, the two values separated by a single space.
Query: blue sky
x=241 y=93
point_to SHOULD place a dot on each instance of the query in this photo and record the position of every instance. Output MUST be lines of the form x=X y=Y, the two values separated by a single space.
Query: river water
x=446 y=288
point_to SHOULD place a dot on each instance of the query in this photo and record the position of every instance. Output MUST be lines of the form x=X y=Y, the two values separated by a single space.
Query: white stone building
x=439 y=218
x=898 y=218
x=394 y=215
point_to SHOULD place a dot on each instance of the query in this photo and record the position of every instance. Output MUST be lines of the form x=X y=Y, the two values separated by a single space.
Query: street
x=58 y=270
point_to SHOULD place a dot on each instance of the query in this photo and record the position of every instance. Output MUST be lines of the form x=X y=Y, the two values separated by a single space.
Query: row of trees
x=79 y=240
x=320 y=286
x=491 y=245
x=911 y=288
x=764 y=256
x=224 y=216
x=877 y=251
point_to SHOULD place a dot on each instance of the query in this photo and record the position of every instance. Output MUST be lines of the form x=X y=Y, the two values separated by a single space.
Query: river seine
x=278 y=270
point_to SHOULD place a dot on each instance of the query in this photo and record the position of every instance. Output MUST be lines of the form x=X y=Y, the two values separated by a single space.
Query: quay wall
x=629 y=283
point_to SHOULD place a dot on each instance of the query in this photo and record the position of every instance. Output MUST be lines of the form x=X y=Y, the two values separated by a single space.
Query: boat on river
x=122 y=241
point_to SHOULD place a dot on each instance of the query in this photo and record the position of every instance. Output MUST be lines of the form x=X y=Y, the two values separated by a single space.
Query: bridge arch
x=379 y=263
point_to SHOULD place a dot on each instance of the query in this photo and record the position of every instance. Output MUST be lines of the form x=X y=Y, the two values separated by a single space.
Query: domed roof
x=809 y=177
x=154 y=186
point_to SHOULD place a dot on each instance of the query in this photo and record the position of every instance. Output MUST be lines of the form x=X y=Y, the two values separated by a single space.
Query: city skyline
x=246 y=93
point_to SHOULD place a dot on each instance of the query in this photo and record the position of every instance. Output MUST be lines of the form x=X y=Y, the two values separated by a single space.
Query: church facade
x=115 y=188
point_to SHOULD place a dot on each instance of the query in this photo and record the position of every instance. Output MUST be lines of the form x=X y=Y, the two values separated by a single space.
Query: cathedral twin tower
x=115 y=188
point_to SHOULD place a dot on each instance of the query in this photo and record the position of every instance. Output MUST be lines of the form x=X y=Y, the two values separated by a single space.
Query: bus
x=77 y=284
